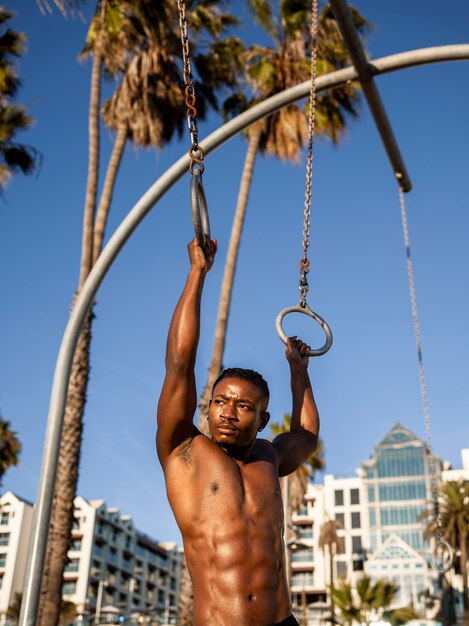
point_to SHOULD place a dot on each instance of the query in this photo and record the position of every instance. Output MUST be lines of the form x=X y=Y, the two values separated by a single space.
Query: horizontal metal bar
x=352 y=41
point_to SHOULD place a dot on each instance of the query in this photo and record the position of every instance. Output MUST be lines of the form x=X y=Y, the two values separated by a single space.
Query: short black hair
x=245 y=374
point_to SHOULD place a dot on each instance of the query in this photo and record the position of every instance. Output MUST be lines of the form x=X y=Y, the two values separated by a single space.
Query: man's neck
x=240 y=454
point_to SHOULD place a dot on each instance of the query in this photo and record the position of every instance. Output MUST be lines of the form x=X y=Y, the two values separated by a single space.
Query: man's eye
x=218 y=401
x=246 y=407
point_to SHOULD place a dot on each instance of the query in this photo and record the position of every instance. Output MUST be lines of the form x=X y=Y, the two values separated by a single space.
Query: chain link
x=305 y=263
x=195 y=152
x=423 y=386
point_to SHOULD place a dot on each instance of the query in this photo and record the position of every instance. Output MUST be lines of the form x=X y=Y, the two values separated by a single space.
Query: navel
x=251 y=597
x=214 y=488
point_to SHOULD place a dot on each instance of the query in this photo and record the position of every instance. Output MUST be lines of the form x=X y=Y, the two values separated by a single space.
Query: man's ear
x=264 y=420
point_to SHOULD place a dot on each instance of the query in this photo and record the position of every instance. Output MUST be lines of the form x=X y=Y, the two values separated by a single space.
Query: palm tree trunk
x=65 y=488
x=93 y=169
x=108 y=189
x=463 y=566
x=186 y=598
x=67 y=473
x=228 y=277
x=331 y=578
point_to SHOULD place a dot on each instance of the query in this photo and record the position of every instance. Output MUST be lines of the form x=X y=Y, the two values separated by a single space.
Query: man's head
x=245 y=374
x=238 y=409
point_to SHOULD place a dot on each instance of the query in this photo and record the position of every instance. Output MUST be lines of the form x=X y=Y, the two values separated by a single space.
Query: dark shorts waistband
x=289 y=621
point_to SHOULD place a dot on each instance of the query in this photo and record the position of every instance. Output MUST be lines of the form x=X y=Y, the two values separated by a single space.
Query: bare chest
x=219 y=495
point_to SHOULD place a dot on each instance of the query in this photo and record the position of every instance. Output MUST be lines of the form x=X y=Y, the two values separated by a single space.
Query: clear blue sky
x=367 y=382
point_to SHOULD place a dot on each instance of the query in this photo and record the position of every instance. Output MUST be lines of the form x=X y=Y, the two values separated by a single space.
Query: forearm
x=184 y=330
x=305 y=417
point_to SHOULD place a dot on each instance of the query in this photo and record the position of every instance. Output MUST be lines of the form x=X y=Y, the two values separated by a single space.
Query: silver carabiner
x=199 y=209
x=442 y=556
x=307 y=311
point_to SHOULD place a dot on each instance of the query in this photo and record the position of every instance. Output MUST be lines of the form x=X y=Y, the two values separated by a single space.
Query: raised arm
x=178 y=399
x=295 y=447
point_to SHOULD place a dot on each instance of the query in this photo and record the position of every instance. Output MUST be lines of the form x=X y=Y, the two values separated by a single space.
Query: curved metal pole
x=84 y=301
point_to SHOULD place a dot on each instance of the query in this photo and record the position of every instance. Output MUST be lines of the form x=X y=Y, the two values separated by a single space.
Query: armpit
x=185 y=450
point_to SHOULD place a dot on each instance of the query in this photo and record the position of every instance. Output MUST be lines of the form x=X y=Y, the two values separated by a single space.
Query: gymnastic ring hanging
x=199 y=209
x=442 y=556
x=299 y=308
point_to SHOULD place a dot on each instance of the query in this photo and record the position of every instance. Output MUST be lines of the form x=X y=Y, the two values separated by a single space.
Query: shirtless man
x=225 y=490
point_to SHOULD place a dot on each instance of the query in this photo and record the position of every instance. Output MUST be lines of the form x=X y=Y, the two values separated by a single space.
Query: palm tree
x=13 y=611
x=137 y=42
x=368 y=601
x=298 y=481
x=269 y=71
x=10 y=447
x=14 y=156
x=329 y=538
x=454 y=511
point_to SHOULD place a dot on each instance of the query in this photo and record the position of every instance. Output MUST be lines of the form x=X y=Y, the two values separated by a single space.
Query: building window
x=401 y=516
x=340 y=519
x=69 y=588
x=357 y=544
x=341 y=546
x=76 y=544
x=4 y=539
x=373 y=518
x=401 y=462
x=357 y=565
x=354 y=496
x=73 y=565
x=356 y=520
x=303 y=579
x=371 y=494
x=339 y=497
x=4 y=517
x=3 y=559
x=301 y=556
x=306 y=532
x=414 y=490
x=341 y=567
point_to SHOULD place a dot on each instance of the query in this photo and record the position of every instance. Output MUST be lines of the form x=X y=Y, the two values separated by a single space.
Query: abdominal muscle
x=233 y=542
x=238 y=576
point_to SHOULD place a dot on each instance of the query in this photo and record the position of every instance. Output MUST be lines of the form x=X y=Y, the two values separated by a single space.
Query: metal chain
x=423 y=387
x=195 y=152
x=305 y=263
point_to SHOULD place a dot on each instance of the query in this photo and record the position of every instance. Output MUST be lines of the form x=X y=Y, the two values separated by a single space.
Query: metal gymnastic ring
x=199 y=209
x=445 y=562
x=307 y=311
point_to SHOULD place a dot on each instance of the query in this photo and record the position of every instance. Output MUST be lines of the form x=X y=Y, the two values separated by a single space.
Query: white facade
x=449 y=474
x=15 y=526
x=112 y=567
x=346 y=502
x=112 y=564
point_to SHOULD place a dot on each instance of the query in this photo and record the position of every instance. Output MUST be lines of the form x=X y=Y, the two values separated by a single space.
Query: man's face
x=237 y=412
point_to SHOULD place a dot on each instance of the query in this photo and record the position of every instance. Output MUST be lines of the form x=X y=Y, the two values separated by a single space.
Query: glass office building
x=398 y=480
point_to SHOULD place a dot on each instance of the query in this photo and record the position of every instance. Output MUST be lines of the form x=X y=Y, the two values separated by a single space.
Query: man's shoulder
x=264 y=449
x=191 y=446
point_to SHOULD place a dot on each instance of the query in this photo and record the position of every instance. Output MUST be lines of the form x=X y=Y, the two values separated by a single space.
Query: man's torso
x=231 y=518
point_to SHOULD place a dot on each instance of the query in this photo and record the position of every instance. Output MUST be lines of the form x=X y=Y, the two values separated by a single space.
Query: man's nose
x=229 y=412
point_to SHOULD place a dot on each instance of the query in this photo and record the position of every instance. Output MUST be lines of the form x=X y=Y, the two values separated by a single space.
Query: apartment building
x=113 y=565
x=16 y=517
x=112 y=568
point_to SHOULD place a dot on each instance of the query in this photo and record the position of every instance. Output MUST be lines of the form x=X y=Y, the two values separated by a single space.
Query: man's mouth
x=225 y=429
